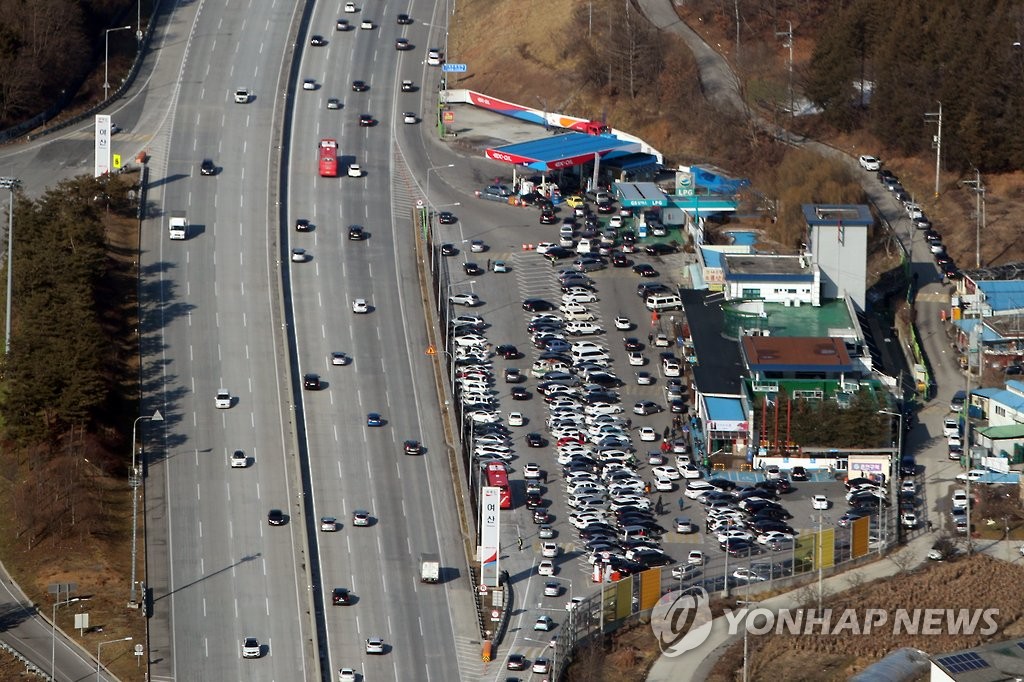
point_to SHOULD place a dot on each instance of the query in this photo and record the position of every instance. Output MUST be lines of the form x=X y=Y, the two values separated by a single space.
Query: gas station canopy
x=560 y=151
x=640 y=194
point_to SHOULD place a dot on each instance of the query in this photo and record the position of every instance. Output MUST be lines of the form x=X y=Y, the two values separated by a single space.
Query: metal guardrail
x=30 y=667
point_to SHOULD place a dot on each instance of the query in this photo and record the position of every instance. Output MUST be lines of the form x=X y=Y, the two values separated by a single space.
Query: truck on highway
x=430 y=568
x=178 y=227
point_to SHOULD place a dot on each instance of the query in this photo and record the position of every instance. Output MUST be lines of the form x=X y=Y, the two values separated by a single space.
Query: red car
x=570 y=439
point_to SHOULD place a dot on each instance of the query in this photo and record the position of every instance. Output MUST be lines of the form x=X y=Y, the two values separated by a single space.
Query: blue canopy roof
x=560 y=151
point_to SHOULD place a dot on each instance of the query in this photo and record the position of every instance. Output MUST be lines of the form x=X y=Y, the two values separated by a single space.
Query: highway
x=354 y=466
x=211 y=318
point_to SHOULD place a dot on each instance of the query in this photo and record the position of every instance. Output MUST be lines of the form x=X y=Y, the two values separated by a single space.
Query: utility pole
x=9 y=184
x=979 y=213
x=788 y=35
x=936 y=118
x=736 y=7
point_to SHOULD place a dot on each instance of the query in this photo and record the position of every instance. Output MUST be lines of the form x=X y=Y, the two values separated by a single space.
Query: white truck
x=178 y=227
x=430 y=568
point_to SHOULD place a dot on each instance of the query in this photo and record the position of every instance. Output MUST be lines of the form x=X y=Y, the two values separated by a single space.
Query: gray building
x=837 y=241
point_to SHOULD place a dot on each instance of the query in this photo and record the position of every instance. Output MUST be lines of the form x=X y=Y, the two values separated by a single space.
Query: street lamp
x=894 y=463
x=9 y=184
x=134 y=480
x=434 y=168
x=103 y=644
x=106 y=57
x=746 y=631
x=53 y=634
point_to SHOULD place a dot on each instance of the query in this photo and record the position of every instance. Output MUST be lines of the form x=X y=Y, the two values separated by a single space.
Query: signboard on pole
x=453 y=68
x=102 y=144
x=490 y=535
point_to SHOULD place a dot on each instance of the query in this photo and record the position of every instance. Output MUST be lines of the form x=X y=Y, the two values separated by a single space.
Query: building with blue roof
x=556 y=152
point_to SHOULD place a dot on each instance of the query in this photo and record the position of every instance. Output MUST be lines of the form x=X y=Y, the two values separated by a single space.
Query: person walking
x=488 y=264
x=650 y=338
x=519 y=541
x=682 y=504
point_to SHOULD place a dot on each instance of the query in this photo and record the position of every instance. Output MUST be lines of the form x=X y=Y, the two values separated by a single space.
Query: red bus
x=497 y=477
x=328 y=158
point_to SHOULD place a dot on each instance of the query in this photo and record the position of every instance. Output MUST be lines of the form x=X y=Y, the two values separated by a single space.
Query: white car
x=346 y=675
x=223 y=399
x=636 y=358
x=546 y=567
x=695 y=558
x=615 y=221
x=773 y=536
x=549 y=550
x=950 y=427
x=696 y=488
x=908 y=487
x=531 y=470
x=544 y=247
x=485 y=417
x=664 y=485
x=242 y=95
x=464 y=299
x=579 y=297
x=544 y=624
x=355 y=170
x=735 y=534
x=909 y=520
x=604 y=408
x=239 y=460
x=471 y=340
x=251 y=648
x=583 y=329
x=366 y=25
x=360 y=306
x=671 y=368
x=960 y=500
x=647 y=434
x=516 y=419
x=689 y=471
x=300 y=255
x=339 y=359
x=819 y=502
x=869 y=163
x=350 y=7
x=973 y=475
x=433 y=57
x=623 y=323
x=666 y=471
x=309 y=84
x=329 y=524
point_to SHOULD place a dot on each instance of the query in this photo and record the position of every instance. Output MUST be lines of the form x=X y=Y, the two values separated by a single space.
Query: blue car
x=374 y=419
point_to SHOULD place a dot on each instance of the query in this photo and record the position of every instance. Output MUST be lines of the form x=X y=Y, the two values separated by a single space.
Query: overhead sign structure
x=102 y=144
x=453 y=68
x=490 y=535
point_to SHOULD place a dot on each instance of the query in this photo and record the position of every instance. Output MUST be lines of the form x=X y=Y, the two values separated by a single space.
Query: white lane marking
x=268 y=605
x=231 y=533
x=204 y=607
x=264 y=565
x=206 y=646
x=198 y=493
x=236 y=607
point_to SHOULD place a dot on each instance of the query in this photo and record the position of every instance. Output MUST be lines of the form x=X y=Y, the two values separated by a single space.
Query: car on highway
x=544 y=624
x=341 y=596
x=433 y=57
x=311 y=382
x=251 y=648
x=276 y=517
x=447 y=218
x=347 y=675
x=242 y=95
x=374 y=419
x=408 y=86
x=303 y=225
x=222 y=401
x=333 y=103
x=354 y=170
x=309 y=84
x=366 y=121
x=404 y=20
x=410 y=117
x=472 y=269
x=300 y=255
x=329 y=524
x=360 y=517
x=317 y=41
x=449 y=250
x=360 y=306
x=360 y=86
x=375 y=645
x=207 y=167
x=356 y=233
x=412 y=447
x=239 y=460
x=402 y=44
x=517 y=661
x=366 y=25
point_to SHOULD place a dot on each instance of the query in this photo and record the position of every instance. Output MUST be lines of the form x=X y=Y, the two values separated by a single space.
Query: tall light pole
x=53 y=633
x=134 y=481
x=9 y=184
x=894 y=463
x=936 y=117
x=746 y=631
x=979 y=203
x=103 y=644
x=106 y=57
x=788 y=35
x=435 y=168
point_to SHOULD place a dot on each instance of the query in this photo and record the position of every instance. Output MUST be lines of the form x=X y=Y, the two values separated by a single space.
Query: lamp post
x=106 y=57
x=9 y=184
x=746 y=631
x=103 y=644
x=53 y=634
x=434 y=168
x=134 y=480
x=894 y=463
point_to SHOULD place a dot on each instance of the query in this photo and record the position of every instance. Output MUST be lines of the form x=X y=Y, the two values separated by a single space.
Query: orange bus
x=497 y=477
x=328 y=158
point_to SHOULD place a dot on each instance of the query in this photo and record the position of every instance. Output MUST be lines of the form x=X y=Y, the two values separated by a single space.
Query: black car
x=207 y=167
x=620 y=260
x=772 y=514
x=472 y=269
x=508 y=351
x=537 y=305
x=402 y=44
x=722 y=483
x=360 y=86
x=303 y=225
x=677 y=406
x=740 y=548
x=275 y=517
x=449 y=249
x=447 y=218
x=558 y=253
x=798 y=474
x=311 y=382
x=632 y=343
x=767 y=525
x=659 y=249
x=534 y=440
x=356 y=233
x=404 y=20
x=541 y=515
x=514 y=375
x=605 y=208
x=782 y=485
x=317 y=41
x=645 y=289
x=412 y=447
x=516 y=662
x=548 y=218
x=366 y=121
x=520 y=393
x=534 y=500
x=340 y=597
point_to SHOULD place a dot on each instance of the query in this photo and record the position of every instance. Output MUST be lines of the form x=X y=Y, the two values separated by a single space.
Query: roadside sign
x=453 y=68
x=482 y=589
x=448 y=117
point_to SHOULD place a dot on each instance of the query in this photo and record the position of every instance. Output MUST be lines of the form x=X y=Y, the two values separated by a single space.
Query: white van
x=590 y=355
x=577 y=316
x=660 y=302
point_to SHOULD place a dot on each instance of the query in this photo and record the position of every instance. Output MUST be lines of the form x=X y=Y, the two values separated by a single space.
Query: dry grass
x=963 y=584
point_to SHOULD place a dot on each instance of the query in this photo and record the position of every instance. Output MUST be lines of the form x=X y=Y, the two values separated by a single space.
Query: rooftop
x=851 y=215
x=993 y=662
x=719 y=366
x=559 y=151
x=755 y=264
x=806 y=320
x=796 y=354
